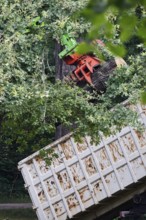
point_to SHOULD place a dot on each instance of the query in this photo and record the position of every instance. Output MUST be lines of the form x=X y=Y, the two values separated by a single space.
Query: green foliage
x=27 y=66
x=31 y=104
x=117 y=22
x=48 y=155
x=85 y=48
x=143 y=98
x=28 y=30
x=112 y=19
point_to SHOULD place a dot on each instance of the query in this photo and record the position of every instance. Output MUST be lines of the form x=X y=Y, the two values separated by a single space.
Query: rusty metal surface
x=84 y=174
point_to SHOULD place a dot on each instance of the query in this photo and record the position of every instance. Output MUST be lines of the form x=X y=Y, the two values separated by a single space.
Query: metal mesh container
x=85 y=174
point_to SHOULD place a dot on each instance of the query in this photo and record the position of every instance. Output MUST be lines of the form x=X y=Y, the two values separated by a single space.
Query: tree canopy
x=33 y=103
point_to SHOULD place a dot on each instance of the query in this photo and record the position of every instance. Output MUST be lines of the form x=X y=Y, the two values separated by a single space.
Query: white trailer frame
x=85 y=175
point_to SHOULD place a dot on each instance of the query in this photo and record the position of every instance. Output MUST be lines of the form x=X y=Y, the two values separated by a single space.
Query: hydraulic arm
x=88 y=68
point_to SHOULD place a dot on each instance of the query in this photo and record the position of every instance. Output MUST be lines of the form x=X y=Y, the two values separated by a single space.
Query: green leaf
x=143 y=98
x=127 y=26
x=84 y=48
x=142 y=30
x=34 y=21
x=118 y=50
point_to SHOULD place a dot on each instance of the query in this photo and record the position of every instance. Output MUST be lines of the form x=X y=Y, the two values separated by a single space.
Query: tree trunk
x=58 y=62
x=58 y=76
x=60 y=69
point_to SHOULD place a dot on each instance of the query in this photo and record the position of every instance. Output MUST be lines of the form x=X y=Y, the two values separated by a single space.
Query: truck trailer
x=87 y=180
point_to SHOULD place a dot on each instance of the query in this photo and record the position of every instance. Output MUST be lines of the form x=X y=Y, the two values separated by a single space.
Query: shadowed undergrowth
x=18 y=214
